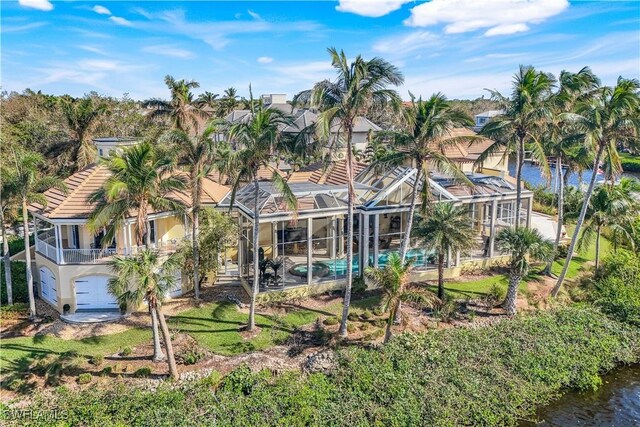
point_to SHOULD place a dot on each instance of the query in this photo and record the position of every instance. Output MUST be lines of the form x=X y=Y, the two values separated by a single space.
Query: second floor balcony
x=73 y=244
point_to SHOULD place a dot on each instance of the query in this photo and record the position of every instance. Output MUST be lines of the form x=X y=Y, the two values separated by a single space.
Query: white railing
x=86 y=256
x=164 y=247
x=47 y=250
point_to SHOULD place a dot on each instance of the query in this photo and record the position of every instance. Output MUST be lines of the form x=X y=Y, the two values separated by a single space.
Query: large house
x=71 y=263
x=305 y=249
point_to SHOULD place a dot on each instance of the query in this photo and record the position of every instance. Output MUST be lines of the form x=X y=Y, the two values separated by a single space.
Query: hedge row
x=19 y=282
x=630 y=163
x=495 y=375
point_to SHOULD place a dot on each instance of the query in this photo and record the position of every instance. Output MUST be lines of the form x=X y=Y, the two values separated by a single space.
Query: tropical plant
x=8 y=209
x=146 y=277
x=393 y=279
x=259 y=139
x=229 y=101
x=524 y=245
x=520 y=126
x=197 y=157
x=28 y=184
x=217 y=232
x=423 y=143
x=140 y=179
x=184 y=111
x=81 y=116
x=360 y=86
x=610 y=116
x=207 y=99
x=445 y=230
x=614 y=207
x=557 y=139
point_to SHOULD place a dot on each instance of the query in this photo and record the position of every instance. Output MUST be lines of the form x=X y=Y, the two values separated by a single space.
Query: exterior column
x=332 y=237
x=309 y=249
x=240 y=246
x=492 y=227
x=376 y=239
x=274 y=240
x=529 y=211
x=60 y=258
x=458 y=259
x=449 y=259
x=365 y=243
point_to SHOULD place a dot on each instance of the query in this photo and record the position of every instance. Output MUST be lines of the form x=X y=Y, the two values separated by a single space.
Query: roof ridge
x=83 y=182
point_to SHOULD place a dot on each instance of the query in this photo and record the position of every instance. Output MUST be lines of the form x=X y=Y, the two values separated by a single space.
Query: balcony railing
x=47 y=250
x=86 y=256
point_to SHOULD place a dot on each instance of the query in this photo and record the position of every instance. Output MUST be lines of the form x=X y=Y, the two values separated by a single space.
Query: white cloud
x=370 y=8
x=92 y=49
x=121 y=21
x=265 y=60
x=44 y=5
x=502 y=30
x=498 y=16
x=407 y=43
x=21 y=28
x=254 y=15
x=101 y=10
x=169 y=50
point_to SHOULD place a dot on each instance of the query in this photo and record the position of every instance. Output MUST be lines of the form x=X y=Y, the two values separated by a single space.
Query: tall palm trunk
x=598 y=231
x=143 y=222
x=519 y=165
x=196 y=248
x=27 y=256
x=441 y=276
x=388 y=333
x=412 y=210
x=583 y=213
x=6 y=259
x=560 y=183
x=350 y=202
x=256 y=258
x=158 y=355
x=166 y=336
x=512 y=293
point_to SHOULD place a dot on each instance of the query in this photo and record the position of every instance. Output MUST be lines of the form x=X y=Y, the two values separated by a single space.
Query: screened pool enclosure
x=308 y=246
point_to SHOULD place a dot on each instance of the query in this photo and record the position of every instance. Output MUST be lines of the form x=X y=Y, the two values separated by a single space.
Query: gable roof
x=75 y=203
x=335 y=173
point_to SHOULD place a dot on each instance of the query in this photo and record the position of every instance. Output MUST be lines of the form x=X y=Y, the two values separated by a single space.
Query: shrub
x=126 y=352
x=96 y=360
x=353 y=317
x=351 y=327
x=18 y=280
x=330 y=321
x=84 y=378
x=143 y=372
x=617 y=287
x=366 y=314
x=359 y=286
x=630 y=163
x=191 y=354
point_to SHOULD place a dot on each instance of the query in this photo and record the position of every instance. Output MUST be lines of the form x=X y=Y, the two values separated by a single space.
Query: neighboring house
x=484 y=118
x=72 y=271
x=307 y=249
x=303 y=118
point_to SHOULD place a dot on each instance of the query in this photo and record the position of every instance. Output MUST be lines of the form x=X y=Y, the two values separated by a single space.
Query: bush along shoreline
x=493 y=375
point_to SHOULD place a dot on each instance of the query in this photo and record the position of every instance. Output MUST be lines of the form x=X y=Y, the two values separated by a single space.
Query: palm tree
x=229 y=101
x=259 y=139
x=361 y=86
x=394 y=280
x=207 y=99
x=525 y=245
x=423 y=143
x=520 y=126
x=604 y=120
x=614 y=207
x=183 y=110
x=558 y=140
x=145 y=277
x=81 y=117
x=446 y=230
x=140 y=179
x=8 y=208
x=28 y=184
x=198 y=157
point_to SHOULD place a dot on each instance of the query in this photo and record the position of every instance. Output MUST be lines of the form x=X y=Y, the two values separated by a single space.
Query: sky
x=457 y=47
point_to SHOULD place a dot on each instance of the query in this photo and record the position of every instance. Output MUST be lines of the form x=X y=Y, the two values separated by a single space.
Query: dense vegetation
x=630 y=163
x=19 y=279
x=494 y=375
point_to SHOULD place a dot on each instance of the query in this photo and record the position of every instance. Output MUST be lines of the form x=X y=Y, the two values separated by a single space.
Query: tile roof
x=335 y=173
x=80 y=186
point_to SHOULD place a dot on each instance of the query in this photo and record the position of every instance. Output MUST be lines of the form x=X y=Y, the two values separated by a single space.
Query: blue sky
x=458 y=47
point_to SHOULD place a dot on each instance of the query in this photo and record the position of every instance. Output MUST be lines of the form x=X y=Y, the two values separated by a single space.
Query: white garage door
x=48 y=288
x=92 y=294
